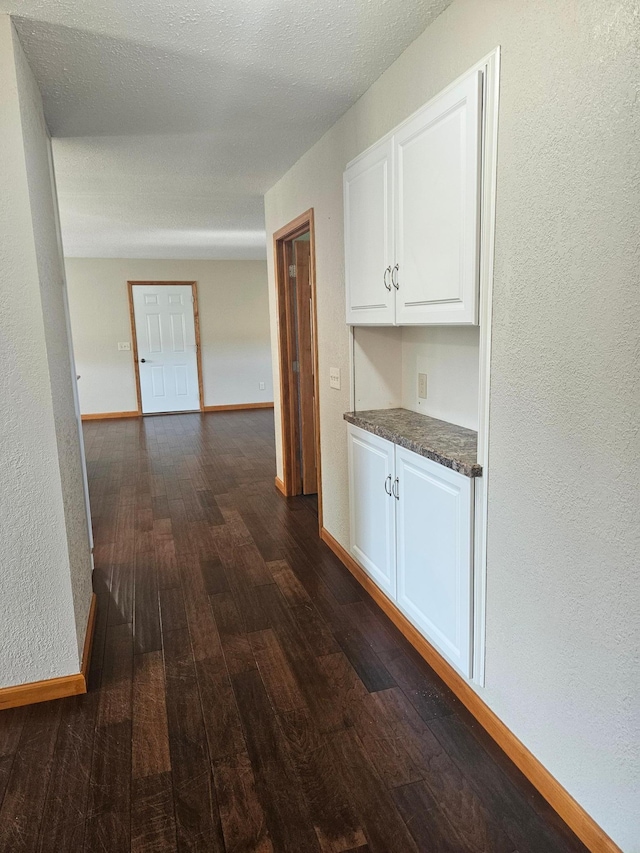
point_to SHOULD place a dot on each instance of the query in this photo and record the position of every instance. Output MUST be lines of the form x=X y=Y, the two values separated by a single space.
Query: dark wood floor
x=246 y=694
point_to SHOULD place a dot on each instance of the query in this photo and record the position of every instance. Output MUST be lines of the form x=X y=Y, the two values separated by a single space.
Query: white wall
x=450 y=358
x=564 y=528
x=234 y=328
x=45 y=574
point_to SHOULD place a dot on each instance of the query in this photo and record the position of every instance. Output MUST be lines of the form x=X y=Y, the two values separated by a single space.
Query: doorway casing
x=286 y=345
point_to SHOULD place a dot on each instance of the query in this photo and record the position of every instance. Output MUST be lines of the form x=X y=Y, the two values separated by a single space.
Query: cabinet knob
x=394 y=276
x=387 y=272
x=387 y=485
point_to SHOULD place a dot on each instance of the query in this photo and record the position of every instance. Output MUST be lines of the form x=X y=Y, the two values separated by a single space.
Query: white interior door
x=372 y=506
x=437 y=163
x=167 y=352
x=368 y=227
x=434 y=523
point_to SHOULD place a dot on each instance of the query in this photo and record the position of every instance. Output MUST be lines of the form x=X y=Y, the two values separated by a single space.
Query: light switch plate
x=334 y=378
x=124 y=346
x=422 y=386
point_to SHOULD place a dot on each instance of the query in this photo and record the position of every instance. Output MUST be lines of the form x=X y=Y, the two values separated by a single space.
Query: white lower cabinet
x=434 y=517
x=372 y=510
x=412 y=532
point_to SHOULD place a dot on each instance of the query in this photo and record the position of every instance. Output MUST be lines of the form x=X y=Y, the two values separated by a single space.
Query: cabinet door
x=434 y=524
x=372 y=508
x=368 y=235
x=437 y=180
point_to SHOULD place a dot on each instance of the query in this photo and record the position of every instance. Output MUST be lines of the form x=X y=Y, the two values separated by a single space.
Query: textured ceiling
x=171 y=120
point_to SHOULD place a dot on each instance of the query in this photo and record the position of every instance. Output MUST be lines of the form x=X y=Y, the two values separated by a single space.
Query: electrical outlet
x=422 y=386
x=334 y=378
x=261 y=386
x=124 y=346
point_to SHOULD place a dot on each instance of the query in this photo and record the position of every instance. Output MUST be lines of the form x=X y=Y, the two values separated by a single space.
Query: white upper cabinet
x=368 y=211
x=437 y=179
x=412 y=217
x=372 y=506
x=434 y=561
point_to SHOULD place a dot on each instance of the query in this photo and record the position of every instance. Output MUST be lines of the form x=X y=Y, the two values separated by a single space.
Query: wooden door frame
x=298 y=226
x=134 y=337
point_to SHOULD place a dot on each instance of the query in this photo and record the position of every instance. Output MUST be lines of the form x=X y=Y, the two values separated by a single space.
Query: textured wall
x=56 y=330
x=564 y=527
x=234 y=328
x=38 y=575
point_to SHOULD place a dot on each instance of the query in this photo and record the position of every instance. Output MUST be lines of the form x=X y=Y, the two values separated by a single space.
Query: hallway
x=245 y=693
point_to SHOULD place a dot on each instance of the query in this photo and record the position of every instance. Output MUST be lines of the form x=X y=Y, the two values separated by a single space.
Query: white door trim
x=490 y=66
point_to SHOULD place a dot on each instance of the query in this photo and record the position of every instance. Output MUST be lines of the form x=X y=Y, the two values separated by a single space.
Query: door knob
x=143 y=361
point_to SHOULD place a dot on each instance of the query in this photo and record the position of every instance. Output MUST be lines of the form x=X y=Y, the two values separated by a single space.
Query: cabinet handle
x=386 y=283
x=396 y=489
x=394 y=276
x=387 y=485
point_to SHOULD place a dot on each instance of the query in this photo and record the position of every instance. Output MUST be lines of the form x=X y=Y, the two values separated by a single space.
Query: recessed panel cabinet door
x=368 y=225
x=437 y=195
x=434 y=524
x=372 y=507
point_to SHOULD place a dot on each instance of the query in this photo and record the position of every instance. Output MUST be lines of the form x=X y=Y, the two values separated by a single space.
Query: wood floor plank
x=11 y=723
x=427 y=823
x=235 y=642
x=427 y=693
x=150 y=734
x=288 y=583
x=364 y=660
x=66 y=805
x=334 y=819
x=6 y=762
x=219 y=710
x=384 y=745
x=276 y=673
x=213 y=574
x=197 y=820
x=172 y=611
x=153 y=828
x=117 y=675
x=277 y=784
x=243 y=821
x=108 y=824
x=26 y=787
x=384 y=828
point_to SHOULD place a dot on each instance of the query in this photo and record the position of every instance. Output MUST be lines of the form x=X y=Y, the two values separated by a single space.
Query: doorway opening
x=294 y=247
x=165 y=331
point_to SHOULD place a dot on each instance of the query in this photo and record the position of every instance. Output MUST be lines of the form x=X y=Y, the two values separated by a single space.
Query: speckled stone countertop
x=453 y=446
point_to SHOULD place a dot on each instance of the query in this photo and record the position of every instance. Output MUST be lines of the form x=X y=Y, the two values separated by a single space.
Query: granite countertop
x=453 y=446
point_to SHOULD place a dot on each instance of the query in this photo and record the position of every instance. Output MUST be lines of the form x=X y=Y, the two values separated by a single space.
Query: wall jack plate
x=422 y=386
